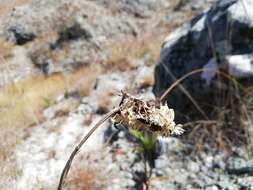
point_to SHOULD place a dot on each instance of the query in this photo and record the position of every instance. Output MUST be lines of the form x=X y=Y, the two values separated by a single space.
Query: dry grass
x=5 y=49
x=231 y=120
x=103 y=105
x=146 y=81
x=123 y=57
x=8 y=165
x=82 y=180
x=229 y=114
x=85 y=179
x=246 y=119
x=21 y=103
x=105 y=102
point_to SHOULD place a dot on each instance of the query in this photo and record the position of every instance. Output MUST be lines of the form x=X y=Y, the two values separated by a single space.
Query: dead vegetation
x=223 y=121
x=22 y=102
x=82 y=180
x=87 y=178
x=5 y=49
x=8 y=163
x=104 y=102
x=123 y=57
x=229 y=125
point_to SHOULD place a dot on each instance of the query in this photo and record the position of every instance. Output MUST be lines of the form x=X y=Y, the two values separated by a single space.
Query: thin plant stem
x=182 y=88
x=178 y=81
x=78 y=147
x=146 y=180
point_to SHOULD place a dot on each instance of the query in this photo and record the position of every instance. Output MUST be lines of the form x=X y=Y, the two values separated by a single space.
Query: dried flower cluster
x=140 y=115
x=136 y=114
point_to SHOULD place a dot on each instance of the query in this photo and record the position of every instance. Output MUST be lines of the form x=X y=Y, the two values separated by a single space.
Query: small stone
x=161 y=162
x=121 y=134
x=129 y=182
x=49 y=113
x=193 y=166
x=213 y=187
x=159 y=172
x=20 y=36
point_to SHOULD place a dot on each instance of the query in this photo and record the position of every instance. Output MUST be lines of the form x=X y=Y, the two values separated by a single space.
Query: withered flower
x=141 y=115
x=136 y=114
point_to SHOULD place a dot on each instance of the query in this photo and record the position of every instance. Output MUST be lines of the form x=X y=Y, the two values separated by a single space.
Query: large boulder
x=218 y=39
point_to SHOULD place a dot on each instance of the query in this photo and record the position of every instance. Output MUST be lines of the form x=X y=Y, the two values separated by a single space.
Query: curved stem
x=162 y=98
x=77 y=148
x=183 y=89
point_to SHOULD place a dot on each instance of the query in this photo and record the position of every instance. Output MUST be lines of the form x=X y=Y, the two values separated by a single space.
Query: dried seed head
x=140 y=115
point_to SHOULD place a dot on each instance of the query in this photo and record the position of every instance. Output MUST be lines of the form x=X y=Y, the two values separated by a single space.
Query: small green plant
x=47 y=102
x=147 y=142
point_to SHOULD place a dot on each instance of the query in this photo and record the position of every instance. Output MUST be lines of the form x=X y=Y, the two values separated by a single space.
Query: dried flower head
x=136 y=114
x=141 y=115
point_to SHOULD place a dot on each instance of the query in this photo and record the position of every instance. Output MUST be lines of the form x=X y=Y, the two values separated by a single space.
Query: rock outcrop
x=218 y=39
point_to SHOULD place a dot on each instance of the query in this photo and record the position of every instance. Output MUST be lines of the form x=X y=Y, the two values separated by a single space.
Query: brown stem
x=162 y=98
x=77 y=148
x=183 y=89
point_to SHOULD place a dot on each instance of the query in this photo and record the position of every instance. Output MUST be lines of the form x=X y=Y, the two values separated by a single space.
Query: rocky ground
x=46 y=147
x=60 y=36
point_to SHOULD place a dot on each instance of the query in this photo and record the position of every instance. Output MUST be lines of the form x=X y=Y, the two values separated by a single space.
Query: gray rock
x=47 y=67
x=208 y=181
x=225 y=184
x=237 y=162
x=193 y=166
x=17 y=68
x=129 y=183
x=203 y=43
x=158 y=172
x=138 y=167
x=239 y=166
x=161 y=162
x=77 y=26
x=19 y=35
x=171 y=144
x=240 y=65
x=138 y=8
x=49 y=113
x=212 y=187
x=158 y=185
x=246 y=184
x=181 y=176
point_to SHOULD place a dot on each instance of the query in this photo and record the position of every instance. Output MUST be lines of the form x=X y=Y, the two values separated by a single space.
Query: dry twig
x=78 y=147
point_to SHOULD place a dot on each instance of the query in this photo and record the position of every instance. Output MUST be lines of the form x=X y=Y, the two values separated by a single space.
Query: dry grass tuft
x=122 y=57
x=227 y=116
x=21 y=103
x=8 y=165
x=82 y=180
x=246 y=116
x=104 y=101
x=231 y=119
x=86 y=179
